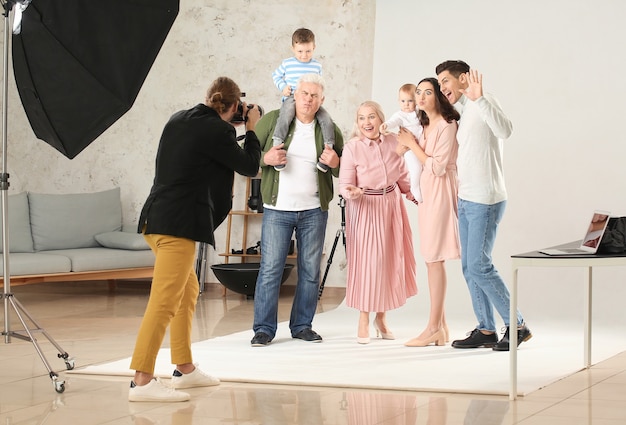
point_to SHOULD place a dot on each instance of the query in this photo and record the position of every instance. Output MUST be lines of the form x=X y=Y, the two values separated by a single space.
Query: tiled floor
x=96 y=326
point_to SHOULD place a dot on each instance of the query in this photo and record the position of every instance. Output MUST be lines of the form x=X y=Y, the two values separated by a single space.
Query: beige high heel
x=446 y=333
x=381 y=334
x=363 y=340
x=438 y=338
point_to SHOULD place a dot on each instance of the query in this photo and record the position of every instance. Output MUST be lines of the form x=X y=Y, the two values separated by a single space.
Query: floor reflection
x=374 y=408
x=486 y=412
x=180 y=416
x=279 y=407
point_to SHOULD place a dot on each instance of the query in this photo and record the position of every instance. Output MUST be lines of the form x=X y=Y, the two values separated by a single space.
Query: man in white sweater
x=482 y=200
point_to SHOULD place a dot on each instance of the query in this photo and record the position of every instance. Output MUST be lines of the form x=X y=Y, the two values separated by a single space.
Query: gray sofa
x=66 y=237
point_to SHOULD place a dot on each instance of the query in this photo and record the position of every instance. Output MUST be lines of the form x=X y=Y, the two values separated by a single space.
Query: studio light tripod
x=341 y=232
x=30 y=326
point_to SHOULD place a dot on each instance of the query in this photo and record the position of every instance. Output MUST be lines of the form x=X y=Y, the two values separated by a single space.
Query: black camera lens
x=239 y=117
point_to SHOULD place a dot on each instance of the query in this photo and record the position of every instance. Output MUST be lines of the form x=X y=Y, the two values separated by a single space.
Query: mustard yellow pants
x=172 y=303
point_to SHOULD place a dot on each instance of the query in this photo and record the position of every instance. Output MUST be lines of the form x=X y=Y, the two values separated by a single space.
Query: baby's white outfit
x=409 y=121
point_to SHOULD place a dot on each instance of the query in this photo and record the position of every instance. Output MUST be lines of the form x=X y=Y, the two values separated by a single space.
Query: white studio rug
x=553 y=353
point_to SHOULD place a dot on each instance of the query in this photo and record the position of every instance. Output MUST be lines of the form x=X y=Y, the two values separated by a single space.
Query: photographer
x=192 y=194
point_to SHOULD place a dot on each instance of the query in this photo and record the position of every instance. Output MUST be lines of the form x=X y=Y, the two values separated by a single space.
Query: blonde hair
x=377 y=109
x=222 y=94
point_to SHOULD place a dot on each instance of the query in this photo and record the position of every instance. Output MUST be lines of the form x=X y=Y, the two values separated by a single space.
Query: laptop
x=591 y=240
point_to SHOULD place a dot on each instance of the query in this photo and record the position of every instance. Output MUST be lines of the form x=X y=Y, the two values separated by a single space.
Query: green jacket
x=269 y=177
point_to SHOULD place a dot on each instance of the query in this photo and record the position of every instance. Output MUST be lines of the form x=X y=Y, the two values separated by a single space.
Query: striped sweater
x=290 y=71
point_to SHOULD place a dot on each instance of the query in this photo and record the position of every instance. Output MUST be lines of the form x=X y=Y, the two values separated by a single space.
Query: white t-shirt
x=297 y=184
x=482 y=130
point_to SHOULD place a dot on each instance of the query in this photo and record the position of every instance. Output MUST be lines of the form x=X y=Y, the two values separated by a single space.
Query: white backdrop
x=557 y=69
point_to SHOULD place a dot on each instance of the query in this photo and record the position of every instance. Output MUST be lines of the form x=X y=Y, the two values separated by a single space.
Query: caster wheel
x=69 y=364
x=59 y=387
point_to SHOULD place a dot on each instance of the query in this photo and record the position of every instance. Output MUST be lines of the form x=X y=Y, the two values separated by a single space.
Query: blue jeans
x=276 y=231
x=478 y=225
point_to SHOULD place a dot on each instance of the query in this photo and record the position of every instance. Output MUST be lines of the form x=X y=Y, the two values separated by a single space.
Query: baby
x=407 y=117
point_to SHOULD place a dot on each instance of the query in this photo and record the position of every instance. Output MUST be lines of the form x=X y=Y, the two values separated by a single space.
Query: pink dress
x=438 y=214
x=379 y=242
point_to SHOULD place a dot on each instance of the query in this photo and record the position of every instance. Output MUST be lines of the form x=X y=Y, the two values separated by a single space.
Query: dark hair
x=302 y=35
x=442 y=103
x=455 y=68
x=222 y=94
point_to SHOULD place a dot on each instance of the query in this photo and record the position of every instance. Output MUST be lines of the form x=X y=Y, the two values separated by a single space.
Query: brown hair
x=302 y=35
x=442 y=103
x=455 y=68
x=408 y=88
x=222 y=94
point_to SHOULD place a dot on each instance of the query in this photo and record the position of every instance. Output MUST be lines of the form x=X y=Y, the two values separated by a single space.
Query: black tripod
x=340 y=232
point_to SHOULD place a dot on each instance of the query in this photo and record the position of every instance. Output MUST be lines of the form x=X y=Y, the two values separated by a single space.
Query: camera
x=239 y=116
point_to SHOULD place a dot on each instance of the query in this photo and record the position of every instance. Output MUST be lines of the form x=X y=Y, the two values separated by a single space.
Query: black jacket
x=192 y=191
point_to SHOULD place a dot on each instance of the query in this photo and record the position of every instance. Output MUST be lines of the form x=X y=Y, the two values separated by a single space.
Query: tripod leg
x=59 y=386
x=329 y=262
x=69 y=362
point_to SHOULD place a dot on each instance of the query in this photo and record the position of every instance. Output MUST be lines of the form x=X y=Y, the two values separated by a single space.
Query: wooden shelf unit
x=246 y=213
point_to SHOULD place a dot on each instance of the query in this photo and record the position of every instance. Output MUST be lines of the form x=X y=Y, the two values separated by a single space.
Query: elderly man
x=296 y=199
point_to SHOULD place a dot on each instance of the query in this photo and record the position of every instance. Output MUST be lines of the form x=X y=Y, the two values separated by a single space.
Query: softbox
x=79 y=64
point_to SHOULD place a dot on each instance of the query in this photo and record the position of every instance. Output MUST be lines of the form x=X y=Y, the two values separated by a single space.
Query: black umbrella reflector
x=79 y=64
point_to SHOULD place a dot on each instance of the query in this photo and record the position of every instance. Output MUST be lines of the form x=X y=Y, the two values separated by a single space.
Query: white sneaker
x=155 y=390
x=197 y=378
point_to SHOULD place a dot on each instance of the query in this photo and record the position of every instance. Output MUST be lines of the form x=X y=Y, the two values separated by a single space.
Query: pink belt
x=379 y=191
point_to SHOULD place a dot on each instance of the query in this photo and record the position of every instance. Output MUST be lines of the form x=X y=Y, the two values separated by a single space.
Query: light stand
x=8 y=298
x=340 y=232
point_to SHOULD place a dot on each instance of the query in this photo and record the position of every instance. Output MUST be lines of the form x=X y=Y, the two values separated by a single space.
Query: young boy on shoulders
x=286 y=78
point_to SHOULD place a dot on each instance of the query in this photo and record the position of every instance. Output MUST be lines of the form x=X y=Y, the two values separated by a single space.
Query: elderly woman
x=379 y=244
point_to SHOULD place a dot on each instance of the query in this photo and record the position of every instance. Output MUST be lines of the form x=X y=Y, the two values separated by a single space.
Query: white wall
x=557 y=69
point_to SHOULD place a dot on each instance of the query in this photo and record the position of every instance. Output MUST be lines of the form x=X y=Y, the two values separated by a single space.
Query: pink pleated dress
x=379 y=241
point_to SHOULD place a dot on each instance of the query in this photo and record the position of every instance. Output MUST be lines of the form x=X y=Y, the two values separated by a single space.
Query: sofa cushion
x=90 y=259
x=20 y=237
x=122 y=240
x=33 y=263
x=66 y=221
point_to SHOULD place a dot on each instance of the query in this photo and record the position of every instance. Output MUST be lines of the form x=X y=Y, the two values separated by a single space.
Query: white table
x=537 y=259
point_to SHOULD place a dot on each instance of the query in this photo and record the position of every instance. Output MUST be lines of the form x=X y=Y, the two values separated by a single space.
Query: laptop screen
x=592 y=238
